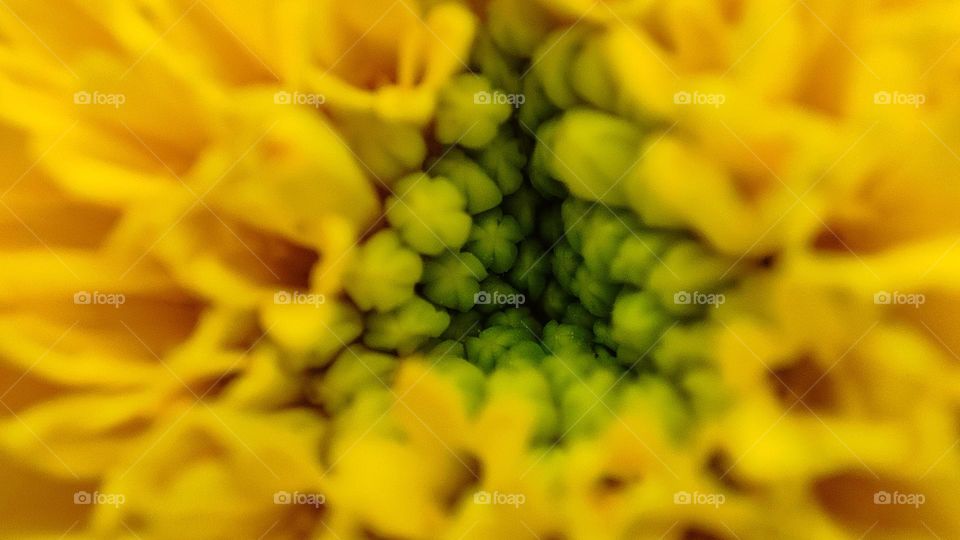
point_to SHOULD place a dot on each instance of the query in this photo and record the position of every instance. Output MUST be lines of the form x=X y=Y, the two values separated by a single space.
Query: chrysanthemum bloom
x=512 y=269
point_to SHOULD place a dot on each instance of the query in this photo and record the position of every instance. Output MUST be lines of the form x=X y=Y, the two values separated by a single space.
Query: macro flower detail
x=418 y=269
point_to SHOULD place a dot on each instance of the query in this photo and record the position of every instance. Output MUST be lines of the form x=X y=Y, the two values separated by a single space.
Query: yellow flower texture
x=244 y=243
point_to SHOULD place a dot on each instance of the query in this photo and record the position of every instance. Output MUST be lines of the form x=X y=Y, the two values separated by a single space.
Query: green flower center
x=544 y=274
x=533 y=269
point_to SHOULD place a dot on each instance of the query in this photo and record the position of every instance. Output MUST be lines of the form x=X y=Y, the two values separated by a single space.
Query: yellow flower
x=706 y=259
